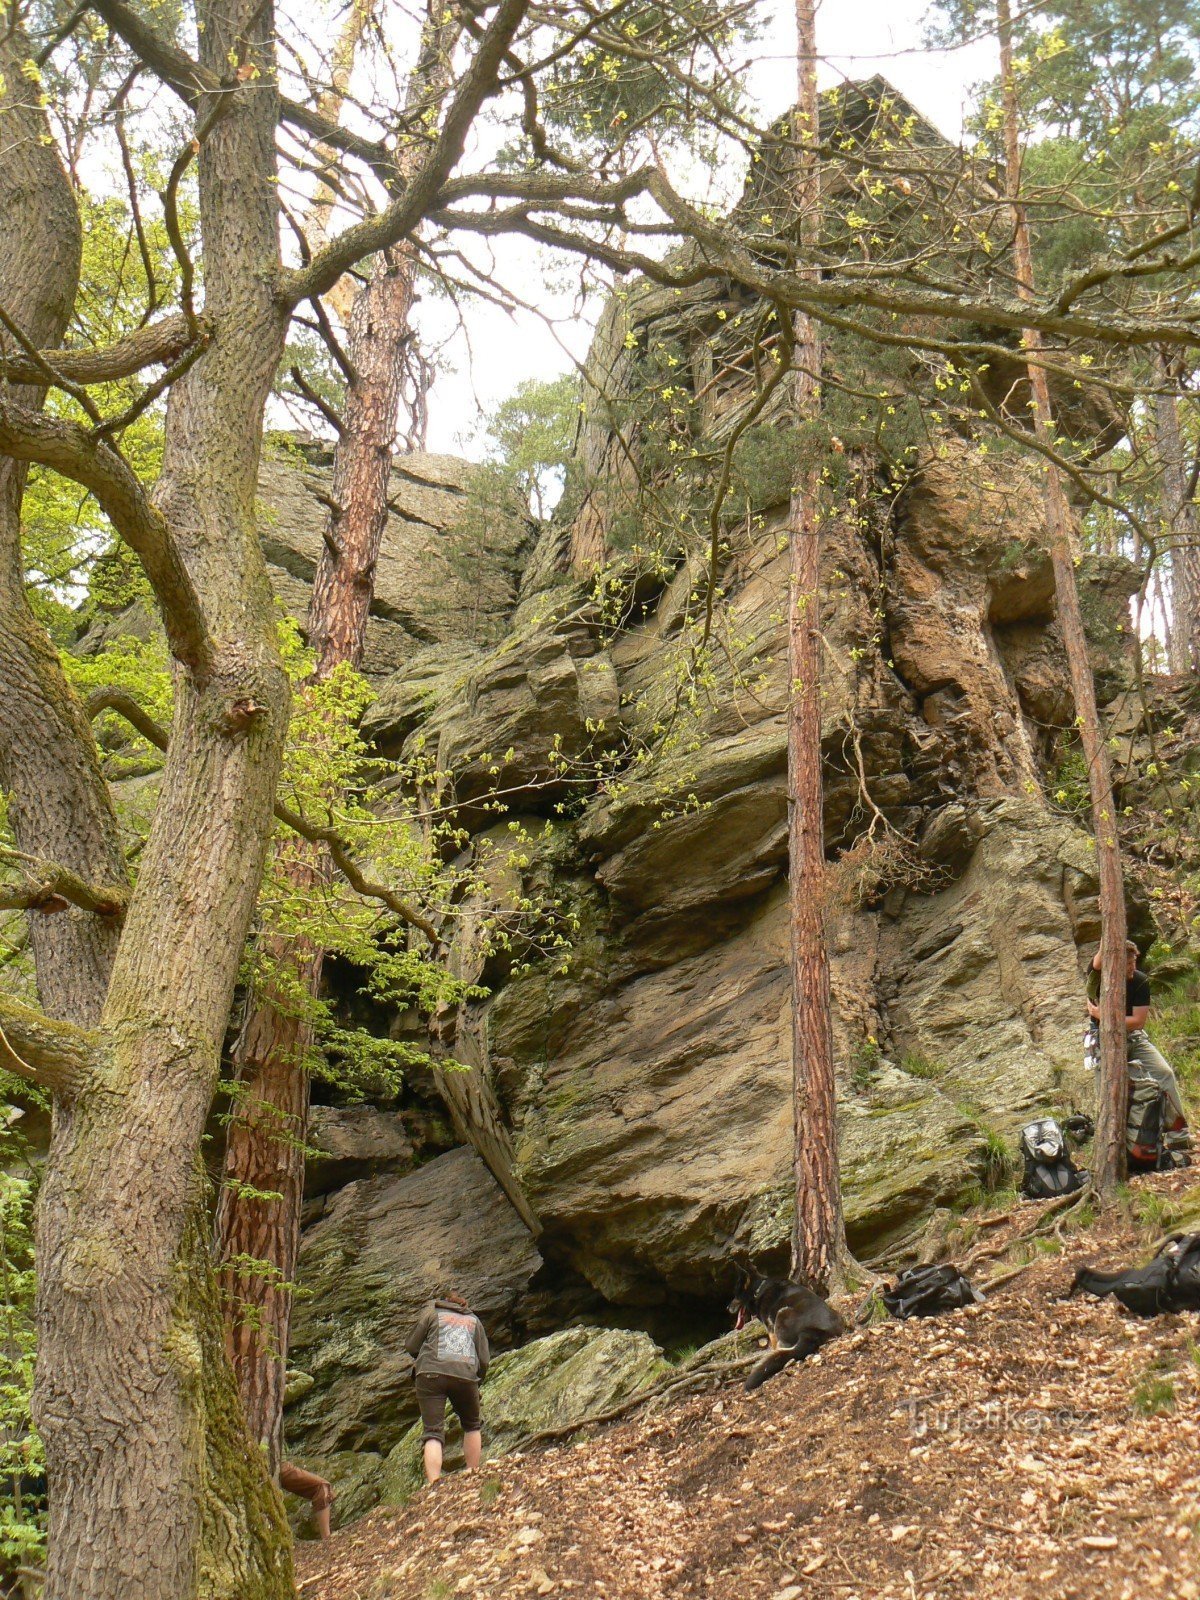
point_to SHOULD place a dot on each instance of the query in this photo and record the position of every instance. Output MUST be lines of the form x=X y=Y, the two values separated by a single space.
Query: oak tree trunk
x=1109 y=1163
x=819 y=1253
x=155 y=1492
x=58 y=804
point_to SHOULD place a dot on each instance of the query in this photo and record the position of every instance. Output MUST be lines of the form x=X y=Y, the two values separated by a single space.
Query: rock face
x=629 y=703
x=383 y=1248
x=447 y=572
x=654 y=1110
x=354 y=1142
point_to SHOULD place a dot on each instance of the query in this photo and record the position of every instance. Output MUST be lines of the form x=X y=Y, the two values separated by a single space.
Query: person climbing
x=450 y=1349
x=1145 y=1060
x=317 y=1491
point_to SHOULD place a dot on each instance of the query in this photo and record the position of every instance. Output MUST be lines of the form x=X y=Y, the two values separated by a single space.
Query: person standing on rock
x=450 y=1349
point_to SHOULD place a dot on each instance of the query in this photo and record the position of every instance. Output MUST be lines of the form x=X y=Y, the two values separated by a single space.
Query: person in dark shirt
x=450 y=1350
x=1144 y=1059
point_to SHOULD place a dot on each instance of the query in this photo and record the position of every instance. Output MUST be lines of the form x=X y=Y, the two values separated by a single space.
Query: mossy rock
x=551 y=1383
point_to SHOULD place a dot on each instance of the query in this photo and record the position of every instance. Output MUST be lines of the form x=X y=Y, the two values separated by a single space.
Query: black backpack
x=1048 y=1168
x=1169 y=1282
x=1148 y=1145
x=927 y=1291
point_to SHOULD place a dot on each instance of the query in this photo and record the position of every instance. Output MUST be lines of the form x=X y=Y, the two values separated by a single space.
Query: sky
x=483 y=361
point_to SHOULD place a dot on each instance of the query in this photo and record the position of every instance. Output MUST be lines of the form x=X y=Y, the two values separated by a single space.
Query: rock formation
x=645 y=1094
x=640 y=1101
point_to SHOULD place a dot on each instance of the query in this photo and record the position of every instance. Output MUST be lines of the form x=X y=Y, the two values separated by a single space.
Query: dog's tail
x=769 y=1366
x=1097 y=1283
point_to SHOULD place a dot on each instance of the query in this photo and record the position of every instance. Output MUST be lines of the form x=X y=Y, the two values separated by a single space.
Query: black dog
x=797 y=1321
x=1169 y=1282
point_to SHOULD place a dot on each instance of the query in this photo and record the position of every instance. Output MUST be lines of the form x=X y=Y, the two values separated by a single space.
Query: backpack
x=1049 y=1170
x=1169 y=1282
x=926 y=1291
x=1148 y=1146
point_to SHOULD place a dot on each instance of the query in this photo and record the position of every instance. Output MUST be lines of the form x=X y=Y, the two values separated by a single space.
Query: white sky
x=856 y=38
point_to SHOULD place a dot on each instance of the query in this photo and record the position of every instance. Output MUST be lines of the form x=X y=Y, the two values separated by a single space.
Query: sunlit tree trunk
x=819 y=1238
x=1109 y=1164
x=155 y=1493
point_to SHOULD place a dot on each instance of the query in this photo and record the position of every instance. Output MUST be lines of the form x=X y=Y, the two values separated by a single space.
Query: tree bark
x=1109 y=1164
x=819 y=1254
x=257 y=1234
x=258 y=1210
x=58 y=803
x=1180 y=526
x=155 y=1492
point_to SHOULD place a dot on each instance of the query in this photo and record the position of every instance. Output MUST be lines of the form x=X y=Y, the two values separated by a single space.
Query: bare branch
x=403 y=215
x=318 y=402
x=190 y=81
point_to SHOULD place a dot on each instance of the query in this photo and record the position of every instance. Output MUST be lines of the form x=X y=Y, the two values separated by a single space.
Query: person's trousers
x=433 y=1390
x=1145 y=1061
x=317 y=1491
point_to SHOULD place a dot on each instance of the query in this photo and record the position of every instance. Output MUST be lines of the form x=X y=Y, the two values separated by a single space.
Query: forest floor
x=1028 y=1446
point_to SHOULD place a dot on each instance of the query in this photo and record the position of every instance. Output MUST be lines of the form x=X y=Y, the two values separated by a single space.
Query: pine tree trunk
x=345 y=576
x=1109 y=1163
x=818 y=1240
x=258 y=1210
x=1181 y=528
x=265 y=1140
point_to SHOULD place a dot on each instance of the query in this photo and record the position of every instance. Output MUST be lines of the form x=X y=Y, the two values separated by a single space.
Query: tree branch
x=152 y=346
x=77 y=454
x=353 y=873
x=50 y=887
x=119 y=700
x=402 y=216
x=56 y=1055
x=190 y=81
x=720 y=253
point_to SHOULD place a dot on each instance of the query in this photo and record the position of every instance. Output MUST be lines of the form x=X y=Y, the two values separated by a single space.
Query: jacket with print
x=448 y=1340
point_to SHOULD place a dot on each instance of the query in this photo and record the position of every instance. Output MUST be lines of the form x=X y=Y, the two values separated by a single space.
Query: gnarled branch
x=56 y=1055
x=49 y=886
x=77 y=454
x=151 y=346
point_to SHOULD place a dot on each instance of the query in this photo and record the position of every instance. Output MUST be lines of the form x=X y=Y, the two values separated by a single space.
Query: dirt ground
x=1029 y=1446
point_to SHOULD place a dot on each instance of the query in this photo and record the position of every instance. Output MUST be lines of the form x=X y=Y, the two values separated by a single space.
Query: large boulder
x=653 y=1109
x=449 y=564
x=383 y=1248
x=549 y=1384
